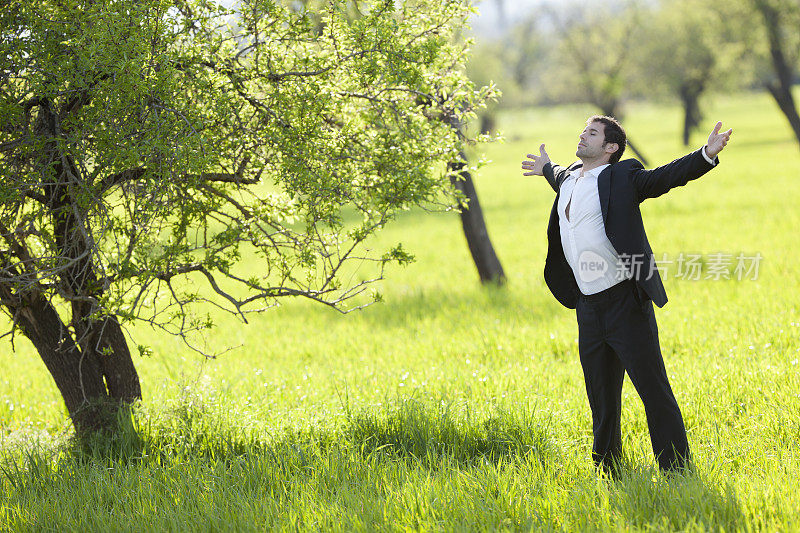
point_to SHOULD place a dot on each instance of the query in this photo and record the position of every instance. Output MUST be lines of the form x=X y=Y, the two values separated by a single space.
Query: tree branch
x=120 y=177
x=36 y=196
x=134 y=174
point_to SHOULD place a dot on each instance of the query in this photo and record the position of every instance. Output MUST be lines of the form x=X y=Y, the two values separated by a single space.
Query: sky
x=490 y=23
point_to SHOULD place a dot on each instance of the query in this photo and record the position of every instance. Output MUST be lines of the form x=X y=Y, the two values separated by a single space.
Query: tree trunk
x=783 y=97
x=90 y=363
x=122 y=379
x=79 y=378
x=79 y=371
x=639 y=154
x=487 y=123
x=690 y=98
x=104 y=340
x=612 y=110
x=480 y=246
x=781 y=89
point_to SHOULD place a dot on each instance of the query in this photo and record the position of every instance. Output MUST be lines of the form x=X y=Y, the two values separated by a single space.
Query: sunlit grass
x=451 y=406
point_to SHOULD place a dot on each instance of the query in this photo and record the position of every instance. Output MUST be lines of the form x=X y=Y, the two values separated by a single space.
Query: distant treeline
x=609 y=52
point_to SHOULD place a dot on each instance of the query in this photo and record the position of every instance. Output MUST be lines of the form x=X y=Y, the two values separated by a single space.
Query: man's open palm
x=717 y=140
x=535 y=167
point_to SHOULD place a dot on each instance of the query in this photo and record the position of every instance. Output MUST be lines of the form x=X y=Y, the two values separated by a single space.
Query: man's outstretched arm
x=540 y=165
x=655 y=182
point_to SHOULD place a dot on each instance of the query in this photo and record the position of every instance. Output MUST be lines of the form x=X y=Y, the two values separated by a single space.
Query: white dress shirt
x=592 y=257
x=590 y=254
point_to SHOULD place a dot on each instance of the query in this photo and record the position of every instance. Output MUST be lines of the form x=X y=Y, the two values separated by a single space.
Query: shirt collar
x=595 y=172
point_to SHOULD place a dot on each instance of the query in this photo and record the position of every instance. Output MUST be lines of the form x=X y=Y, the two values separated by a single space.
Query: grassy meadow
x=451 y=406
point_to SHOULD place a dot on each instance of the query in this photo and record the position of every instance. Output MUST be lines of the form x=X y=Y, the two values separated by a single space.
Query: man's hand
x=717 y=141
x=539 y=161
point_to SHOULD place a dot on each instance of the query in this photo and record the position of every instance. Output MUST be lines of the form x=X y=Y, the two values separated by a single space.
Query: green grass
x=450 y=406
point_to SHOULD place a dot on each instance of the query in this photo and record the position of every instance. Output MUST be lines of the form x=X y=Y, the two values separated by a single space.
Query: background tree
x=490 y=270
x=510 y=63
x=678 y=56
x=594 y=56
x=147 y=147
x=514 y=64
x=781 y=20
x=770 y=55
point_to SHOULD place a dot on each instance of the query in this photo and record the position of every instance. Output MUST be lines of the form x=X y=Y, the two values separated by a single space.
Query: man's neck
x=591 y=164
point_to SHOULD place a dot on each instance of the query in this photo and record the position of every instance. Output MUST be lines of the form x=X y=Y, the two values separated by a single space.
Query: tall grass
x=412 y=465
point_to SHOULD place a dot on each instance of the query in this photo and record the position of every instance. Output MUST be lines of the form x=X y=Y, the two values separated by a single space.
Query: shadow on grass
x=424 y=434
x=675 y=502
x=434 y=435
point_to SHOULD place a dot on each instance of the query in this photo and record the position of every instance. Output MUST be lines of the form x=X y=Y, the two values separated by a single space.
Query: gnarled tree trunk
x=112 y=351
x=95 y=377
x=89 y=361
x=78 y=377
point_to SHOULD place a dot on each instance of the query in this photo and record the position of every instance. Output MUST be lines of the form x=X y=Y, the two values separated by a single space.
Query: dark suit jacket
x=622 y=187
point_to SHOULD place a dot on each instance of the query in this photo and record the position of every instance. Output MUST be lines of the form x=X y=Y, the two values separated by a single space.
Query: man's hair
x=613 y=133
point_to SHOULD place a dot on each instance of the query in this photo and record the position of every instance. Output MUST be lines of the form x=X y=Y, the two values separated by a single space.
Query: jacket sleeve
x=655 y=182
x=554 y=175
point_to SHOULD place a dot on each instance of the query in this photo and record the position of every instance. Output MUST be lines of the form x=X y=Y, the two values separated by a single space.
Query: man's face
x=592 y=140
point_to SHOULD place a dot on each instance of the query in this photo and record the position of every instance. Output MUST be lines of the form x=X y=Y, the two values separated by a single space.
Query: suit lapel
x=604 y=190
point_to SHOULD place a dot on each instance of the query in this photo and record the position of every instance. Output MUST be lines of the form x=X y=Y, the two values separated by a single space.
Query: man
x=599 y=262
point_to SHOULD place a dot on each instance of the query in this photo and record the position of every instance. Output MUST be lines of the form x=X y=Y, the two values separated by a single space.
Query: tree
x=678 y=56
x=781 y=18
x=594 y=56
x=147 y=147
x=771 y=55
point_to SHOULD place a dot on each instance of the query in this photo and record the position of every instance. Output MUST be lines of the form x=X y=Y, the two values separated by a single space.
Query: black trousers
x=617 y=333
